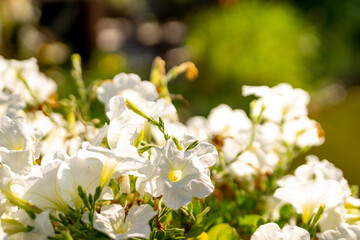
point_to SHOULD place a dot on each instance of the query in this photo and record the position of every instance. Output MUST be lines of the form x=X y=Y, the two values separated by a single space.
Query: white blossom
x=78 y=172
x=271 y=231
x=178 y=176
x=10 y=104
x=230 y=123
x=19 y=144
x=343 y=232
x=45 y=192
x=122 y=161
x=307 y=197
x=303 y=132
x=25 y=79
x=279 y=102
x=320 y=170
x=126 y=125
x=113 y=221
x=128 y=86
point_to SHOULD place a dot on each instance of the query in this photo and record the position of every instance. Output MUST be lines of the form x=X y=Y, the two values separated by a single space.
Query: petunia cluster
x=142 y=173
x=53 y=167
x=276 y=131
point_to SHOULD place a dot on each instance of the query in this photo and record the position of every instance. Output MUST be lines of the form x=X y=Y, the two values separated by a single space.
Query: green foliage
x=223 y=231
x=72 y=226
x=254 y=43
x=286 y=212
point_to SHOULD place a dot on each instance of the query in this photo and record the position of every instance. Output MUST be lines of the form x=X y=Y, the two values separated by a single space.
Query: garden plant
x=143 y=174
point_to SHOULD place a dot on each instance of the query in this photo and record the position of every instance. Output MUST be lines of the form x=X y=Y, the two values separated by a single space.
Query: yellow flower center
x=307 y=211
x=175 y=175
x=123 y=228
x=17 y=146
x=120 y=226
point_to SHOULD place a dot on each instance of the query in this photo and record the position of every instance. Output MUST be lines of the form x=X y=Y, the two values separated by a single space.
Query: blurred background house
x=314 y=45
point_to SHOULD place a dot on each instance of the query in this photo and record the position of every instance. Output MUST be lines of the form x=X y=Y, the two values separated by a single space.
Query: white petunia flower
x=117 y=225
x=224 y=126
x=10 y=104
x=307 y=197
x=18 y=184
x=19 y=144
x=13 y=187
x=268 y=135
x=248 y=148
x=58 y=188
x=39 y=120
x=58 y=136
x=172 y=128
x=271 y=231
x=25 y=79
x=16 y=222
x=230 y=123
x=343 y=232
x=230 y=130
x=128 y=86
x=101 y=134
x=332 y=217
x=78 y=172
x=279 y=102
x=60 y=139
x=206 y=152
x=43 y=228
x=352 y=206
x=303 y=132
x=320 y=170
x=253 y=160
x=177 y=175
x=46 y=193
x=122 y=161
x=124 y=124
x=198 y=127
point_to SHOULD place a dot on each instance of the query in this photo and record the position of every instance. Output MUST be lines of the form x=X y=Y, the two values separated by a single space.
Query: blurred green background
x=314 y=45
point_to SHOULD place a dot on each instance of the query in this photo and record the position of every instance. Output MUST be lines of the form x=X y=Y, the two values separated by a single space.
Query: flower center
x=120 y=226
x=175 y=175
x=17 y=147
x=307 y=211
x=123 y=228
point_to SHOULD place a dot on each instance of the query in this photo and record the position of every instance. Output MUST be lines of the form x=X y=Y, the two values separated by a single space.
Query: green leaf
x=205 y=211
x=139 y=138
x=286 y=211
x=144 y=149
x=114 y=187
x=249 y=220
x=97 y=193
x=176 y=141
x=192 y=145
x=195 y=231
x=223 y=231
x=83 y=196
x=212 y=218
